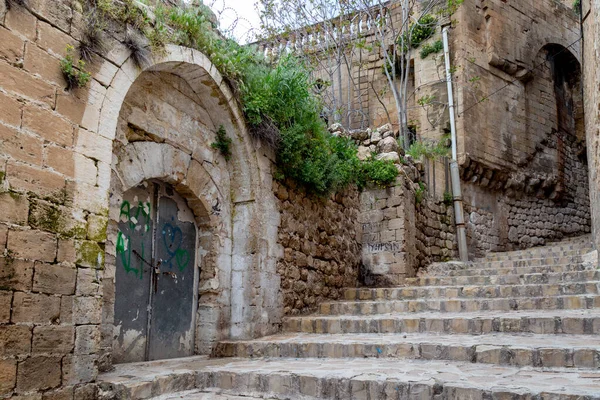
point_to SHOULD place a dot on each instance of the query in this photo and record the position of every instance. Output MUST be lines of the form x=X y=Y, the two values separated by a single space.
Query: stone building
x=519 y=109
x=113 y=202
x=591 y=51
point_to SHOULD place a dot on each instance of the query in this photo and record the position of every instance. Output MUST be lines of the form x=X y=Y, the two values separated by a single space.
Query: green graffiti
x=142 y=210
x=138 y=220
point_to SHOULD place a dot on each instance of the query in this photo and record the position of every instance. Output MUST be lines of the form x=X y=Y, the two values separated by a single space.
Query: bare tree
x=400 y=28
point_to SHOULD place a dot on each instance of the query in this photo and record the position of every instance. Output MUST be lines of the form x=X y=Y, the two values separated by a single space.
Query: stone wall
x=591 y=75
x=435 y=231
x=405 y=226
x=321 y=248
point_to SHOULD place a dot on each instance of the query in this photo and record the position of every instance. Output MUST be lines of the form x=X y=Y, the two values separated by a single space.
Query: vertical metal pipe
x=461 y=233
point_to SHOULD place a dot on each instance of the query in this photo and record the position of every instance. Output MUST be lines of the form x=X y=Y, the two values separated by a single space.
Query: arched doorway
x=156 y=275
x=157 y=124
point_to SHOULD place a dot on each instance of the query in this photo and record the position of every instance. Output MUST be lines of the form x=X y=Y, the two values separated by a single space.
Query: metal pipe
x=461 y=233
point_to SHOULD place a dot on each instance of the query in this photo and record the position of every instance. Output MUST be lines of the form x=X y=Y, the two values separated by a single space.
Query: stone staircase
x=517 y=325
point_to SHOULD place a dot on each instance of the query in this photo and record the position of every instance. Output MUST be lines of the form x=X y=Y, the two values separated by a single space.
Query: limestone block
x=393 y=156
x=35 y=308
x=54 y=278
x=87 y=310
x=13 y=208
x=20 y=20
x=32 y=245
x=16 y=80
x=39 y=372
x=14 y=340
x=364 y=153
x=8 y=375
x=87 y=339
x=5 y=303
x=12 y=46
x=387 y=145
x=53 y=339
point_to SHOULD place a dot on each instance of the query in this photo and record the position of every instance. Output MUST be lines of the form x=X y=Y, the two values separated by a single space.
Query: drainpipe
x=461 y=233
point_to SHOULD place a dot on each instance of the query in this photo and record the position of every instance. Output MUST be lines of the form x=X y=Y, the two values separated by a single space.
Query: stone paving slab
x=508 y=349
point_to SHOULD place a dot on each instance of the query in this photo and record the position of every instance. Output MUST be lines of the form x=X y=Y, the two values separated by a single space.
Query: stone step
x=361 y=307
x=346 y=378
x=529 y=262
x=384 y=379
x=474 y=323
x=567 y=248
x=528 y=278
x=473 y=291
x=515 y=270
x=534 y=254
x=579 y=351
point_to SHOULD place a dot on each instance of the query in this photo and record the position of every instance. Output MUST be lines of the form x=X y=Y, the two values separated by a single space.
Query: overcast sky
x=242 y=11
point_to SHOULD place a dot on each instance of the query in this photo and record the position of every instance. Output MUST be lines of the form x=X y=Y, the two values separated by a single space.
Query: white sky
x=244 y=11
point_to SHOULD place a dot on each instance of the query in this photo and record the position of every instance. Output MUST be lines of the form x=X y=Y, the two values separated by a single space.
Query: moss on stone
x=96 y=228
x=52 y=218
x=90 y=254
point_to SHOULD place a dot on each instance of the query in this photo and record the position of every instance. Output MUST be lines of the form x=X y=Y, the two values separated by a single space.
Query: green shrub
x=74 y=72
x=420 y=193
x=448 y=199
x=418 y=32
x=577 y=6
x=379 y=172
x=223 y=143
x=428 y=49
x=429 y=149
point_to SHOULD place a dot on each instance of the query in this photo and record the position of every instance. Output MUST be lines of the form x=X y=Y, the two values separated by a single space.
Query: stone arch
x=221 y=193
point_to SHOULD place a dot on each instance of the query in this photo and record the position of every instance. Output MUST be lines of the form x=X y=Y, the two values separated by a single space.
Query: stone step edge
x=424 y=347
x=446 y=287
x=477 y=323
x=461 y=299
x=505 y=277
x=510 y=270
x=310 y=385
x=286 y=385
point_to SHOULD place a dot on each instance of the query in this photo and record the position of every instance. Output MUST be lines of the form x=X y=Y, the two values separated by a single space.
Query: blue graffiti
x=173 y=239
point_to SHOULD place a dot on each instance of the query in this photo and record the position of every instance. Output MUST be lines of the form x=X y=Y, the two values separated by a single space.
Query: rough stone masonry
x=68 y=158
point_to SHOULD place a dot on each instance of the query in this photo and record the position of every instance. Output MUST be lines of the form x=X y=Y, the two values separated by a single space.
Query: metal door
x=155 y=299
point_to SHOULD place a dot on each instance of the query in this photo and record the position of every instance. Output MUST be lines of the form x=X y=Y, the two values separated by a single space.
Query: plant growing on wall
x=429 y=149
x=74 y=72
x=428 y=49
x=222 y=143
x=277 y=98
